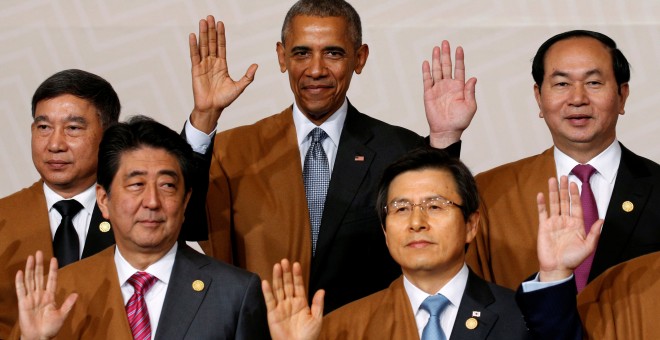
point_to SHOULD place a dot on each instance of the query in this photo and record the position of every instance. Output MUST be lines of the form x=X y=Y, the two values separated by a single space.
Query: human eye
x=335 y=54
x=400 y=208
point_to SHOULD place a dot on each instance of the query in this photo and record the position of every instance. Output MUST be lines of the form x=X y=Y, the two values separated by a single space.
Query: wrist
x=444 y=139
x=554 y=275
x=205 y=121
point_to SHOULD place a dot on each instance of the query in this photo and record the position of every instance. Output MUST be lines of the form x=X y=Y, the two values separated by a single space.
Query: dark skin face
x=320 y=58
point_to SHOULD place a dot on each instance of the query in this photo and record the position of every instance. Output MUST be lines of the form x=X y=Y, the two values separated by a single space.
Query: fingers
x=287 y=278
x=427 y=79
x=459 y=69
x=221 y=42
x=51 y=285
x=203 y=38
x=39 y=271
x=278 y=291
x=212 y=36
x=21 y=292
x=271 y=303
x=194 y=51
x=576 y=203
x=247 y=78
x=564 y=201
x=317 y=303
x=553 y=196
x=436 y=59
x=298 y=282
x=67 y=305
x=29 y=274
x=540 y=204
x=445 y=60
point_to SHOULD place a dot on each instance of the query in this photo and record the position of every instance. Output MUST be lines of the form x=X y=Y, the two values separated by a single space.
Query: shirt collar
x=606 y=162
x=87 y=198
x=161 y=269
x=453 y=290
x=332 y=126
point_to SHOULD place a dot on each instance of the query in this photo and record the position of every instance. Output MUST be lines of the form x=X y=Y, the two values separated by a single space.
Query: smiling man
x=301 y=184
x=581 y=89
x=149 y=286
x=428 y=208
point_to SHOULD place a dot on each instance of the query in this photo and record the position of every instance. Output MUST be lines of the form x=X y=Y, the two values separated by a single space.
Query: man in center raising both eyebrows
x=257 y=202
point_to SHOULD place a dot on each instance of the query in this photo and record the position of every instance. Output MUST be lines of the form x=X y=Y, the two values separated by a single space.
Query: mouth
x=316 y=88
x=150 y=223
x=419 y=244
x=57 y=164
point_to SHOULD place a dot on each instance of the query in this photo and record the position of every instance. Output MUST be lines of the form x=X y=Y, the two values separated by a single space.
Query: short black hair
x=425 y=158
x=324 y=9
x=84 y=85
x=138 y=132
x=620 y=64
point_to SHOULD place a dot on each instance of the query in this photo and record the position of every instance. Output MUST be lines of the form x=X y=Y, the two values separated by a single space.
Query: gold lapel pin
x=104 y=227
x=471 y=323
x=198 y=285
x=628 y=206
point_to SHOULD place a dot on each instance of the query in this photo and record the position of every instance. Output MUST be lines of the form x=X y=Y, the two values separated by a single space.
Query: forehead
x=148 y=160
x=423 y=183
x=310 y=30
x=66 y=105
x=579 y=52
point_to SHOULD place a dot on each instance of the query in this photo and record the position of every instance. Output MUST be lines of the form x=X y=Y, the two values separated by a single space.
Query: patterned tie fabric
x=316 y=175
x=434 y=304
x=590 y=215
x=66 y=244
x=136 y=308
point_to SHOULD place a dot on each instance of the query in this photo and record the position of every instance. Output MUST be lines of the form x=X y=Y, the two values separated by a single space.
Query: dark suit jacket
x=388 y=315
x=24 y=229
x=504 y=250
x=230 y=305
x=621 y=303
x=257 y=206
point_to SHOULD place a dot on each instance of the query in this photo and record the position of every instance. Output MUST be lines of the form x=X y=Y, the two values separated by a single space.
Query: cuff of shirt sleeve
x=535 y=284
x=198 y=140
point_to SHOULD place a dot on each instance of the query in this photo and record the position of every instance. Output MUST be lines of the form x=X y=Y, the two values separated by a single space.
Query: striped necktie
x=136 y=308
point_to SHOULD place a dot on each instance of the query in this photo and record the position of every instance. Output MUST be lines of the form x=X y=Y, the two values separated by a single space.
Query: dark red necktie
x=589 y=214
x=136 y=308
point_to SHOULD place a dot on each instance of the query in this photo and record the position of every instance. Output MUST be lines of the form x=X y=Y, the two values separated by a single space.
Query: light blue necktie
x=316 y=175
x=434 y=304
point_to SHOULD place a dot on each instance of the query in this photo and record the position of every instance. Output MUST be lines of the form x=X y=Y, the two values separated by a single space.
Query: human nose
x=151 y=199
x=317 y=67
x=57 y=141
x=579 y=96
x=418 y=218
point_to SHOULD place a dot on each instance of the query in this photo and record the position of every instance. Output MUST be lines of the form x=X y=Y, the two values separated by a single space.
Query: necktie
x=66 y=244
x=316 y=175
x=434 y=304
x=590 y=215
x=136 y=308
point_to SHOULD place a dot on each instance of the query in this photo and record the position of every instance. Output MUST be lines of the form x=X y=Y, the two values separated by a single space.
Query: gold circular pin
x=198 y=285
x=471 y=323
x=627 y=206
x=104 y=227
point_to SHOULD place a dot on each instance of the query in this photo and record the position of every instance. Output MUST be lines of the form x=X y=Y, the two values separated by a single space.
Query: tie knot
x=434 y=304
x=583 y=172
x=68 y=207
x=142 y=281
x=318 y=135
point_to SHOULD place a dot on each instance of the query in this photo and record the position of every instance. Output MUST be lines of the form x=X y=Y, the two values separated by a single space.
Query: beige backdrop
x=141 y=48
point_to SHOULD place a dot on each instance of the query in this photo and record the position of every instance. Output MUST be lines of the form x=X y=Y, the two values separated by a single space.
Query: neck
x=431 y=281
x=583 y=152
x=142 y=259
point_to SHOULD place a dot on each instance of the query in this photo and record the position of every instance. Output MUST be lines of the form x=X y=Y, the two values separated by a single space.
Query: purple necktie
x=136 y=308
x=590 y=215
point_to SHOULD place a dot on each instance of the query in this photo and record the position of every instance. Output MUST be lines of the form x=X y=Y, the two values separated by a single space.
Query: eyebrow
x=69 y=118
x=327 y=48
x=565 y=74
x=396 y=199
x=166 y=172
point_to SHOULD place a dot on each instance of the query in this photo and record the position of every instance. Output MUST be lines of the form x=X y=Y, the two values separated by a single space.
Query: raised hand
x=562 y=242
x=38 y=315
x=449 y=101
x=289 y=315
x=213 y=88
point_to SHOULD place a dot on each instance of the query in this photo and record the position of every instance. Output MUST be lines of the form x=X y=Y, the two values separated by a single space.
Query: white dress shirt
x=81 y=221
x=453 y=291
x=602 y=182
x=333 y=126
x=155 y=297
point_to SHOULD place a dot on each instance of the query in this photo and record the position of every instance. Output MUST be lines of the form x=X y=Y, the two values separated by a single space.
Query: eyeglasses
x=433 y=207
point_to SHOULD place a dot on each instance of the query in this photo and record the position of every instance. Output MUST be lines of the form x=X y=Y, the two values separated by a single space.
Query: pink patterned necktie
x=589 y=214
x=136 y=308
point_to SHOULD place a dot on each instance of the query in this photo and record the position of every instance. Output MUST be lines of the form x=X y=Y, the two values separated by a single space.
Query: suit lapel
x=97 y=240
x=351 y=165
x=181 y=300
x=476 y=298
x=630 y=186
